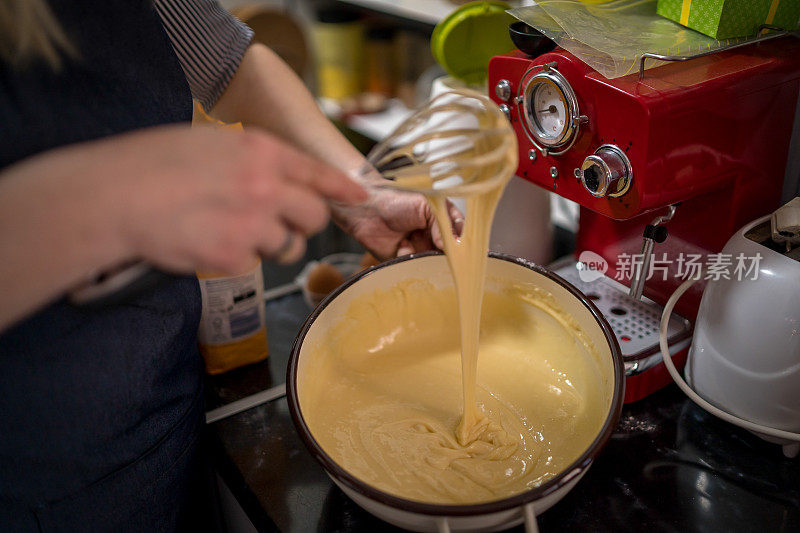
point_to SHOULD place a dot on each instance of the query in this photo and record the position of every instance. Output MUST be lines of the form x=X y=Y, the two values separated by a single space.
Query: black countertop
x=669 y=466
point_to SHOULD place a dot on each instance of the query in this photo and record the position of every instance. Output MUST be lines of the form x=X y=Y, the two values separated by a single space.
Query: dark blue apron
x=100 y=410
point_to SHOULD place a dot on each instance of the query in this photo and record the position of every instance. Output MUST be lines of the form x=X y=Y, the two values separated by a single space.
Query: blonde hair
x=29 y=31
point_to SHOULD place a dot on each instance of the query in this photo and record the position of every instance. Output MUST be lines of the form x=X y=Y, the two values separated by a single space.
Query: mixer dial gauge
x=549 y=111
x=551 y=117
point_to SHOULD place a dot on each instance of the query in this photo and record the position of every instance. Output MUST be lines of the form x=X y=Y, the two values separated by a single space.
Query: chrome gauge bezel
x=548 y=144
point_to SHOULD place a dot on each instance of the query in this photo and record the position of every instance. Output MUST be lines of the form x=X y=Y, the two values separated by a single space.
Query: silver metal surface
x=530 y=82
x=640 y=274
x=611 y=167
x=532 y=155
x=445 y=140
x=638 y=366
x=756 y=39
x=643 y=266
x=215 y=415
x=553 y=172
x=110 y=284
x=663 y=219
x=635 y=322
x=506 y=111
x=503 y=90
x=281 y=290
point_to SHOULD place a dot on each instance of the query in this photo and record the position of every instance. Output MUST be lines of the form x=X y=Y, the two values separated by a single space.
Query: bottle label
x=232 y=307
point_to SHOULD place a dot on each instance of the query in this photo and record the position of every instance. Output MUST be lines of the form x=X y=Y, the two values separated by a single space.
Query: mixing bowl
x=502 y=270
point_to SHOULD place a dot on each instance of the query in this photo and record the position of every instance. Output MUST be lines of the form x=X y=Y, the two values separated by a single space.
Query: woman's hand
x=211 y=200
x=394 y=223
x=181 y=199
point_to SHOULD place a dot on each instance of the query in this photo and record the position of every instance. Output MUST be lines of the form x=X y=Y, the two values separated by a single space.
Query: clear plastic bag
x=611 y=36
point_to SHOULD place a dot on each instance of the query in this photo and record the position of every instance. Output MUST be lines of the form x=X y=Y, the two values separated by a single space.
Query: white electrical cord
x=735 y=420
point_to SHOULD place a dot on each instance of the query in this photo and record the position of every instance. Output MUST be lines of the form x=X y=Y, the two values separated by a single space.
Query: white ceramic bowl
x=488 y=516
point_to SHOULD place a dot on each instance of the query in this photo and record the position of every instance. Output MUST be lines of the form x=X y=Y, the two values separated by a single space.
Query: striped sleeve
x=209 y=43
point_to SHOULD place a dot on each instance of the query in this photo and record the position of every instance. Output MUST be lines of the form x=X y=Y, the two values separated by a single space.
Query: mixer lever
x=654 y=233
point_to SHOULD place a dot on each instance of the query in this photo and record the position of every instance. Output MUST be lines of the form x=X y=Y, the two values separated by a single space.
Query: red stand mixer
x=666 y=165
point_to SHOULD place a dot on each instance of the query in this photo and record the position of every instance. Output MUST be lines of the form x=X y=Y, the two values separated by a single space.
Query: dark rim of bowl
x=414 y=506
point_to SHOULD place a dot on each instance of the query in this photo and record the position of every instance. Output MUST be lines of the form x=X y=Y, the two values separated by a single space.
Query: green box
x=725 y=19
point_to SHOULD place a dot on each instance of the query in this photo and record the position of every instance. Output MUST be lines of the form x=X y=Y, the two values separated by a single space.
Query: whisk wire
x=460 y=137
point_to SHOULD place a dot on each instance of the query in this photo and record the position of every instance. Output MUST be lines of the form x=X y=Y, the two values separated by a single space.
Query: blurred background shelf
x=374 y=126
x=424 y=11
x=421 y=11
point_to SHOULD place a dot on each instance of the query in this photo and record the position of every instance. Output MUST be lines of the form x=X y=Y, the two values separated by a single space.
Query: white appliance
x=745 y=354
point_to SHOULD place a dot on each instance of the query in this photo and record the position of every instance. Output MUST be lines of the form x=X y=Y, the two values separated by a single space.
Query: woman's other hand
x=394 y=223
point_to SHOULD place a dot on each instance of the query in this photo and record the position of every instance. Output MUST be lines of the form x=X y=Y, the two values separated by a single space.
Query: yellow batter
x=382 y=393
x=396 y=395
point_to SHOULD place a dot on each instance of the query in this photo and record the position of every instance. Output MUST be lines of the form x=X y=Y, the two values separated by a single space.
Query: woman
x=100 y=410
